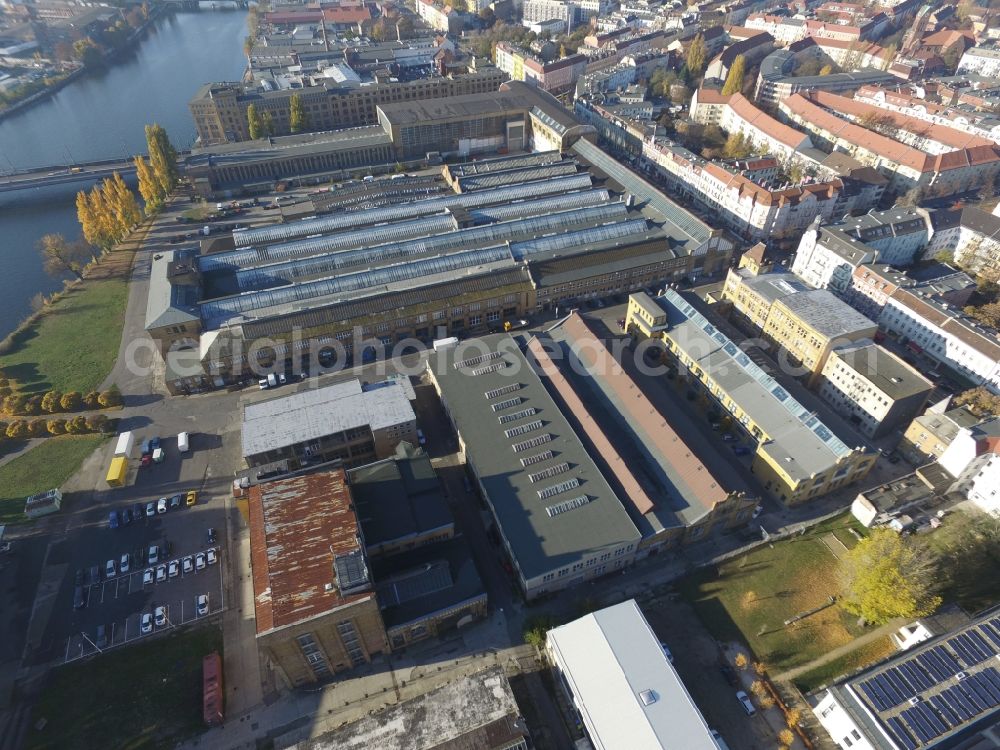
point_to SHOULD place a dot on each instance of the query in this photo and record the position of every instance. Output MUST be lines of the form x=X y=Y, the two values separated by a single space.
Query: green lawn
x=43 y=467
x=74 y=345
x=847 y=664
x=143 y=696
x=747 y=599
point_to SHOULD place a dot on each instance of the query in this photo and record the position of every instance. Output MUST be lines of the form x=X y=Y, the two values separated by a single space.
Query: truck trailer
x=117 y=471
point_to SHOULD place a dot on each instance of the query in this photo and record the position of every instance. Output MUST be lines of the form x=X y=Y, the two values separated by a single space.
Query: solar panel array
x=565 y=505
x=521 y=429
x=917 y=684
x=322 y=224
x=537 y=458
x=514 y=416
x=436 y=240
x=506 y=404
x=565 y=486
x=502 y=391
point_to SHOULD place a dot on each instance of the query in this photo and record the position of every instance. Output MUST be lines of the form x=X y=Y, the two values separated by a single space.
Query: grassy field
x=73 y=346
x=847 y=664
x=748 y=598
x=43 y=467
x=144 y=696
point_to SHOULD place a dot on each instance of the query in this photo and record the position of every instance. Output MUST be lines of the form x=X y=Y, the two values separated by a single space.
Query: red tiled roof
x=297 y=526
x=765 y=123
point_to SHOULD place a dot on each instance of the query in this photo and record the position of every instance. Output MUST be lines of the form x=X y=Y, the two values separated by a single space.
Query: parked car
x=187 y=564
x=210 y=556
x=161 y=505
x=109 y=569
x=191 y=498
x=145 y=449
x=146 y=624
x=101 y=639
x=161 y=573
x=137 y=511
x=757 y=511
x=199 y=561
x=160 y=615
x=741 y=450
x=176 y=501
x=420 y=437
x=95 y=575
x=744 y=700
x=78 y=578
x=730 y=675
x=125 y=516
x=154 y=443
x=729 y=437
x=79 y=598
x=173 y=569
x=113 y=519
x=124 y=563
x=150 y=509
x=201 y=605
x=211 y=536
x=147 y=577
x=154 y=554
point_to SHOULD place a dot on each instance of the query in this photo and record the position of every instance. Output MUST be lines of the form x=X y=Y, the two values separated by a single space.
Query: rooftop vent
x=648 y=697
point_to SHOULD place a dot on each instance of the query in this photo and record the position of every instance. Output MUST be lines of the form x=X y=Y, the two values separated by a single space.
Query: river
x=101 y=116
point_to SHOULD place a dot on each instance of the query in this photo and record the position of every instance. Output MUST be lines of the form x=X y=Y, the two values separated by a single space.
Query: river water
x=101 y=116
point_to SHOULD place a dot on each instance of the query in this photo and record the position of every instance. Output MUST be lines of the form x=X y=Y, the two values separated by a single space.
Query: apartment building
x=797 y=456
x=348 y=421
x=777 y=80
x=220 y=109
x=439 y=17
x=908 y=102
x=557 y=76
x=788 y=29
x=873 y=285
x=977 y=248
x=873 y=388
x=938 y=172
x=739 y=115
x=944 y=335
x=829 y=254
x=928 y=436
x=983 y=61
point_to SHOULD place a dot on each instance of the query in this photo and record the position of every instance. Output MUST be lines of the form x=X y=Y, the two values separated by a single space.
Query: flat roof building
x=626 y=692
x=345 y=421
x=559 y=520
x=797 y=456
x=876 y=390
x=478 y=711
x=942 y=694
x=315 y=605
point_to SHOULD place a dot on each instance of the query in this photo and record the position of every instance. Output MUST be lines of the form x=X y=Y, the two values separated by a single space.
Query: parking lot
x=187 y=566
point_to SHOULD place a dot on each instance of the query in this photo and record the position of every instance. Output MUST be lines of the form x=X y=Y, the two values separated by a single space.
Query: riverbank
x=158 y=12
x=72 y=343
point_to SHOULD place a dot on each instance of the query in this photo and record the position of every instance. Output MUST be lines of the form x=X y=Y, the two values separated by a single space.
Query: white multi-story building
x=741 y=116
x=944 y=335
x=962 y=117
x=537 y=11
x=984 y=484
x=746 y=207
x=873 y=388
x=828 y=255
x=984 y=61
x=616 y=675
x=978 y=245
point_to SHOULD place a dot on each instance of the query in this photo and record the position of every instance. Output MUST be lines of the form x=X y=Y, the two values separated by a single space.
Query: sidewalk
x=847 y=648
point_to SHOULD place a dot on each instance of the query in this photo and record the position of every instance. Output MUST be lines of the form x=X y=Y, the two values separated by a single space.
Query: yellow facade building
x=796 y=456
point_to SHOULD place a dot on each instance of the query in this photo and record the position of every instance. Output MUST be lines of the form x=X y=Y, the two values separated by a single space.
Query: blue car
x=154 y=443
x=113 y=519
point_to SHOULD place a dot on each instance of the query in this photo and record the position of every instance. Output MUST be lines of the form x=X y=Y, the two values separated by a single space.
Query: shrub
x=110 y=397
x=50 y=402
x=14 y=404
x=17 y=430
x=97 y=423
x=76 y=425
x=33 y=405
x=56 y=426
x=785 y=737
x=92 y=400
x=5 y=390
x=70 y=401
x=37 y=428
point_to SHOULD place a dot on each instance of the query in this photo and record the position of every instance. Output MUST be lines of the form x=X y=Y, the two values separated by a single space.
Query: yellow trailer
x=118 y=471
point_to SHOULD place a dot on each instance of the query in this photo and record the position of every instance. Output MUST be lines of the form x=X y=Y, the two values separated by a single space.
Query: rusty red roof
x=298 y=525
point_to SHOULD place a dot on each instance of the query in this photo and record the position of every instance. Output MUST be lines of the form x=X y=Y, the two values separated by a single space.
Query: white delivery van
x=182 y=442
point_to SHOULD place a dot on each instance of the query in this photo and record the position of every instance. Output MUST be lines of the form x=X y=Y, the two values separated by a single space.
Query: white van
x=182 y=442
